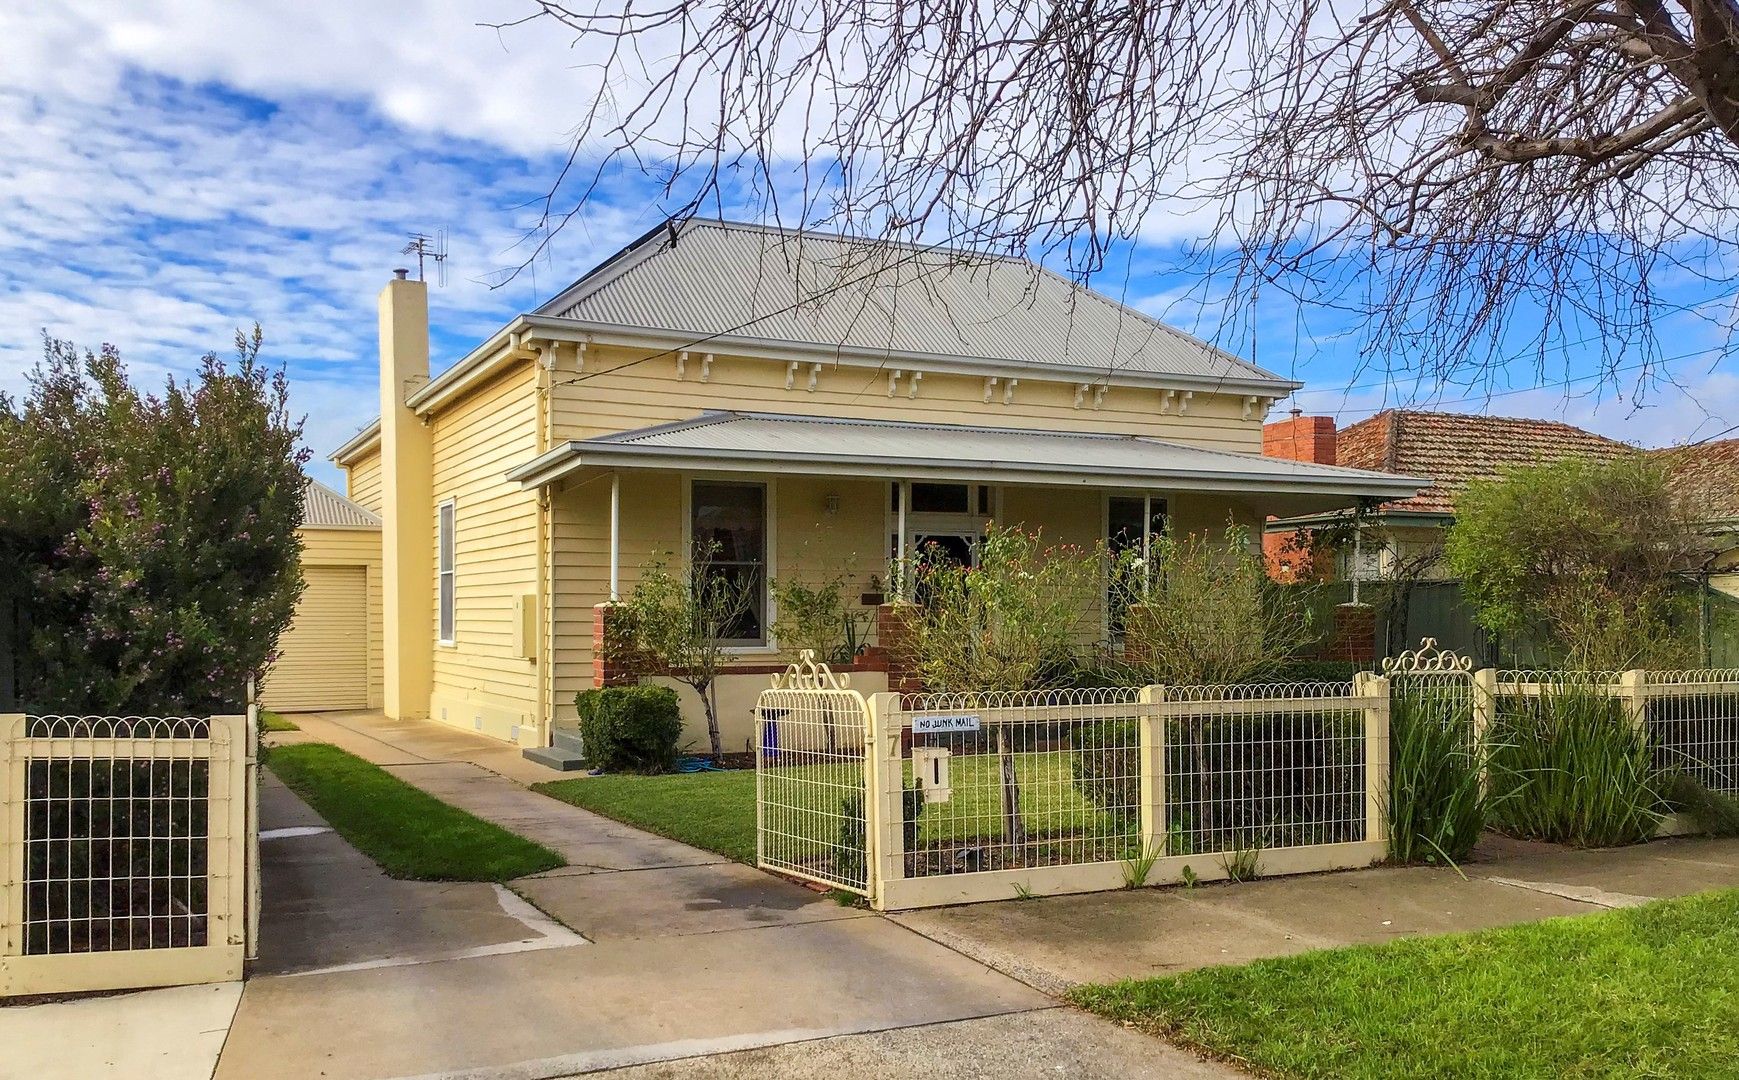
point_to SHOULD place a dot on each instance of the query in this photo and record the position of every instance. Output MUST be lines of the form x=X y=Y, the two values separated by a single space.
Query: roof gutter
x=554 y=328
x=366 y=439
x=573 y=456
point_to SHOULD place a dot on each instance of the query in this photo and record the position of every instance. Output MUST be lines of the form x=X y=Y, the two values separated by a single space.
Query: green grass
x=1650 y=991
x=271 y=721
x=711 y=810
x=716 y=810
x=409 y=832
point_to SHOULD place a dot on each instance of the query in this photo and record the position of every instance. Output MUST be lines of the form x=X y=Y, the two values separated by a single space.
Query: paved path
x=1055 y=942
x=659 y=956
x=172 y=1034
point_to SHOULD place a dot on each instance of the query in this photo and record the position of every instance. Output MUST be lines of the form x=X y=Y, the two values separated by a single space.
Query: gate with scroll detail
x=811 y=778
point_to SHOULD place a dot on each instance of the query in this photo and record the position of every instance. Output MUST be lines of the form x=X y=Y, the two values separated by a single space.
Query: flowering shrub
x=148 y=547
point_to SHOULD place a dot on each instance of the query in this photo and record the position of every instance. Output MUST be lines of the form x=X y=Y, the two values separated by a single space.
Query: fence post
x=1633 y=692
x=1484 y=703
x=1375 y=690
x=14 y=795
x=884 y=806
x=1150 y=760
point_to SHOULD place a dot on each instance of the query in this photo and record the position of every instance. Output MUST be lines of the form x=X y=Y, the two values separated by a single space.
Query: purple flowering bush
x=148 y=550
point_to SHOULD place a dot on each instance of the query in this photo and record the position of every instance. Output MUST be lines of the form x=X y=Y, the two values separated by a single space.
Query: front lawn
x=409 y=832
x=1649 y=991
x=716 y=810
x=711 y=810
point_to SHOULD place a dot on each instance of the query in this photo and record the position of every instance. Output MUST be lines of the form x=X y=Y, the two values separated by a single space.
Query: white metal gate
x=811 y=778
x=123 y=851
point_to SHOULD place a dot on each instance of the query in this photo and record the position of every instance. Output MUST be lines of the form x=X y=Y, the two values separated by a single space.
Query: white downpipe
x=615 y=537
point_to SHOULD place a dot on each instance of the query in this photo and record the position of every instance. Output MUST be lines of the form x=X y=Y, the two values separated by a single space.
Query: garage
x=329 y=658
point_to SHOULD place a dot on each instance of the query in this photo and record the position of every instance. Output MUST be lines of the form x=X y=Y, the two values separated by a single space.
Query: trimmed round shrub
x=630 y=729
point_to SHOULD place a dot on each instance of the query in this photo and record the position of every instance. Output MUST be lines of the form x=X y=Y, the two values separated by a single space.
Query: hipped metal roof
x=831 y=292
x=813 y=445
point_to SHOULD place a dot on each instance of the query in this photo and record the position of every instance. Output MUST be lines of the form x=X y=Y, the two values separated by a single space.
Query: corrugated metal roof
x=885 y=447
x=323 y=508
x=709 y=277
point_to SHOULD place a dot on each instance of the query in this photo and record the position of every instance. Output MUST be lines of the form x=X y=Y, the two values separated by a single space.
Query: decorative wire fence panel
x=1257 y=767
x=1693 y=725
x=113 y=824
x=1006 y=781
x=810 y=785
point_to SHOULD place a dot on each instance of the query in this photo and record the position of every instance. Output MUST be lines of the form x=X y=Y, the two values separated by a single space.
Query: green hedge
x=635 y=729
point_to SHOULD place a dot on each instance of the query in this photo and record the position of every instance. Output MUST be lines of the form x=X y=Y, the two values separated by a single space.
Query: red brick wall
x=1301 y=438
x=1297 y=438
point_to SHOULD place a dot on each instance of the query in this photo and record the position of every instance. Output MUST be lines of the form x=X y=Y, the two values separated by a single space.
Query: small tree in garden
x=148 y=541
x=1203 y=610
x=1009 y=623
x=1582 y=553
x=677 y=623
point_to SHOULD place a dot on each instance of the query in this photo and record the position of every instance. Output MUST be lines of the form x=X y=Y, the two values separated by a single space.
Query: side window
x=444 y=570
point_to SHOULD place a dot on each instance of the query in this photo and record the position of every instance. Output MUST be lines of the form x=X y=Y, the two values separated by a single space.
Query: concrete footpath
x=643 y=954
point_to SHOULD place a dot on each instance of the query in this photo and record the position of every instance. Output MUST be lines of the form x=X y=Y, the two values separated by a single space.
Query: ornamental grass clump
x=1437 y=801
x=1570 y=767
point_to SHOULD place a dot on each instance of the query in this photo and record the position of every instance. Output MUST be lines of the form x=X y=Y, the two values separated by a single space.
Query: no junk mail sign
x=944 y=725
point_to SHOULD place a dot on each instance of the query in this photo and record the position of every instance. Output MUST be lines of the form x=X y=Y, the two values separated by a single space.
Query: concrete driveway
x=642 y=953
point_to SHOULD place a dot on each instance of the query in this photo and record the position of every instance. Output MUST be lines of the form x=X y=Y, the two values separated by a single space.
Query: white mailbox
x=930 y=765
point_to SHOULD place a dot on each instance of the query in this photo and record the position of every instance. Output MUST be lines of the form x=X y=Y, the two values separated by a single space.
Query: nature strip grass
x=409 y=832
x=271 y=721
x=1648 y=991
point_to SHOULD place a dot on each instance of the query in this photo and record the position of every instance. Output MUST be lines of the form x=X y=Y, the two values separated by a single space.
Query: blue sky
x=186 y=167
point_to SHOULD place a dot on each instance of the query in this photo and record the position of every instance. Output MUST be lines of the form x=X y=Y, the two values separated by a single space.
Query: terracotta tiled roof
x=1706 y=476
x=1452 y=449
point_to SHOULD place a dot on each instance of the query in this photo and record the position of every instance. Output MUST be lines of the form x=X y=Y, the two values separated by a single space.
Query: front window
x=728 y=524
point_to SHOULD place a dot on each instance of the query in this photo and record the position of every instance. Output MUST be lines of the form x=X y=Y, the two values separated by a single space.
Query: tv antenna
x=429 y=249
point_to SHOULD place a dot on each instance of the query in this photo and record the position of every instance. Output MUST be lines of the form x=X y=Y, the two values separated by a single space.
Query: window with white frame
x=444 y=570
x=728 y=528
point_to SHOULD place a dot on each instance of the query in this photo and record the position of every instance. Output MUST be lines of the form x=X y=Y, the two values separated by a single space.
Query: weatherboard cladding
x=800 y=437
x=804 y=288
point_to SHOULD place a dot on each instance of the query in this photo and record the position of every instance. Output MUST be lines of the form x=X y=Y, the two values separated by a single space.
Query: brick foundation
x=1354 y=637
x=897 y=649
x=607 y=672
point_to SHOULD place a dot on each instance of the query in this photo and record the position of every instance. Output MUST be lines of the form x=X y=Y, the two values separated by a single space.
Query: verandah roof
x=767 y=442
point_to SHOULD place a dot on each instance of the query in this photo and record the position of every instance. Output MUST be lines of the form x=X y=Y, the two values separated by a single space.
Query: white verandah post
x=615 y=537
x=900 y=545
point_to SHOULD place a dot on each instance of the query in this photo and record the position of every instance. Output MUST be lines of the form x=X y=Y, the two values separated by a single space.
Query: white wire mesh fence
x=122 y=838
x=1017 y=780
x=1692 y=719
x=1250 y=768
x=982 y=796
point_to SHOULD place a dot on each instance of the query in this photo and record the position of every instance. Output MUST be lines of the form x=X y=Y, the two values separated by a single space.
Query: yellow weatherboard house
x=803 y=404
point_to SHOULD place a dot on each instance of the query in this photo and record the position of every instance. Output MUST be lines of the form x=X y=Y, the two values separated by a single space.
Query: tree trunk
x=1012 y=825
x=712 y=719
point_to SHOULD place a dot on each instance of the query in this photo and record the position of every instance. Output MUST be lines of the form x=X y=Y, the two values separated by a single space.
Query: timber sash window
x=728 y=526
x=444 y=570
